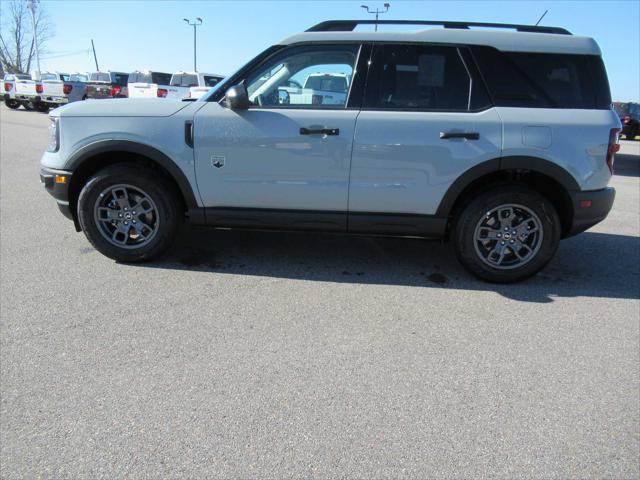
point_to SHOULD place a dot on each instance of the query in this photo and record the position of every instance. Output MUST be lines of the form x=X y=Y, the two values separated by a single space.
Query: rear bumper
x=590 y=208
x=58 y=190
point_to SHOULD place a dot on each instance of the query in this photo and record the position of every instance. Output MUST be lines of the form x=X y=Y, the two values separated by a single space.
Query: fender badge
x=217 y=161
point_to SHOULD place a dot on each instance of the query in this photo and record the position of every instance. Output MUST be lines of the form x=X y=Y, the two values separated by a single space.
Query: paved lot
x=277 y=355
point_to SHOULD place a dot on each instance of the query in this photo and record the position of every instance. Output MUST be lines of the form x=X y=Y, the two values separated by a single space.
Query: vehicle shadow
x=587 y=265
x=627 y=165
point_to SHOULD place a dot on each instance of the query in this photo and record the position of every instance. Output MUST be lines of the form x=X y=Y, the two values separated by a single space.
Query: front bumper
x=52 y=181
x=590 y=208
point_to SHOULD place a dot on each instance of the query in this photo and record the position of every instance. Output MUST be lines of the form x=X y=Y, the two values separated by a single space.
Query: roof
x=516 y=41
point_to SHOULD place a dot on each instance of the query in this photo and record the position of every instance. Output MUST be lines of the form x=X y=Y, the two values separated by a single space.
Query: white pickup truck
x=148 y=84
x=192 y=84
x=55 y=89
x=320 y=89
x=17 y=83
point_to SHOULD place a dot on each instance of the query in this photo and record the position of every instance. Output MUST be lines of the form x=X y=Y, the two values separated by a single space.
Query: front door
x=288 y=155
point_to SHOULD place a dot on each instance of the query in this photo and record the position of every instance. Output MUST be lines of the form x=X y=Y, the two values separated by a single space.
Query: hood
x=121 y=107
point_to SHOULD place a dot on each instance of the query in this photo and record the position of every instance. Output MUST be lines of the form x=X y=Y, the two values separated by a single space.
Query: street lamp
x=376 y=11
x=197 y=22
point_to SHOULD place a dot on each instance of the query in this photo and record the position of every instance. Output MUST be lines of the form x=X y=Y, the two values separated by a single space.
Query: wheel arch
x=542 y=175
x=98 y=155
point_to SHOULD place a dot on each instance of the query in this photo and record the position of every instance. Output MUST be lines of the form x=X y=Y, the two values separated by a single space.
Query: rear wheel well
x=101 y=160
x=543 y=184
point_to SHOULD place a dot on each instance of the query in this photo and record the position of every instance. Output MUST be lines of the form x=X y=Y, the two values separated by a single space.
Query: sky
x=132 y=35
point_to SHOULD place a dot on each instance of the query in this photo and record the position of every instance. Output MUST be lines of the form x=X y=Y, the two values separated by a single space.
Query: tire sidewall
x=464 y=232
x=160 y=192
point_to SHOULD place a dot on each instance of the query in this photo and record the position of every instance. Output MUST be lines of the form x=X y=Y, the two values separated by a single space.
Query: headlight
x=54 y=135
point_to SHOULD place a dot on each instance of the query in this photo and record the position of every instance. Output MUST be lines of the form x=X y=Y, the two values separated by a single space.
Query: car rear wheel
x=130 y=213
x=12 y=104
x=42 y=107
x=506 y=234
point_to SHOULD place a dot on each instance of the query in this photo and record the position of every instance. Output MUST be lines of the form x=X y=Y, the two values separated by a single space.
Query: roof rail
x=350 y=25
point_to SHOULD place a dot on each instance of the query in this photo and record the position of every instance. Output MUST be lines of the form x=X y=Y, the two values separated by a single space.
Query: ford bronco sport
x=498 y=139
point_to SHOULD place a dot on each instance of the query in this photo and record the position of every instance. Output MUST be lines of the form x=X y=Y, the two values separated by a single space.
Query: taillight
x=7 y=86
x=162 y=92
x=115 y=91
x=39 y=88
x=67 y=88
x=613 y=147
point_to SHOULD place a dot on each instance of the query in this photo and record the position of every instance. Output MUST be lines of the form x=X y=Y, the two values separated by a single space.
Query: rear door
x=426 y=119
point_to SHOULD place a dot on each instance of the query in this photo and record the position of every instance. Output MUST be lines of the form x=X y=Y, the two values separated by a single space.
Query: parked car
x=629 y=113
x=10 y=90
x=319 y=89
x=107 y=85
x=148 y=84
x=55 y=89
x=468 y=135
x=197 y=84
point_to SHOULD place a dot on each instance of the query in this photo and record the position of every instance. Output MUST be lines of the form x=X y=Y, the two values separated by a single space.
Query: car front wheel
x=506 y=234
x=130 y=213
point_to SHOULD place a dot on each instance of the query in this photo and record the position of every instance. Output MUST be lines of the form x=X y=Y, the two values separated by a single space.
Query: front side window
x=316 y=76
x=418 y=77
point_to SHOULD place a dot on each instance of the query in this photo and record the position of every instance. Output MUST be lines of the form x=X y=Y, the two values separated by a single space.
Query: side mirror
x=237 y=97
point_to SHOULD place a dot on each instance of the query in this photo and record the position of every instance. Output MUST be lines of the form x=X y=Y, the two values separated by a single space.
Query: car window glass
x=160 y=78
x=418 y=77
x=50 y=76
x=210 y=81
x=120 y=78
x=309 y=76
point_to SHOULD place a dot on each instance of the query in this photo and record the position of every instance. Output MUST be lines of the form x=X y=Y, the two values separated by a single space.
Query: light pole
x=196 y=23
x=376 y=11
x=31 y=4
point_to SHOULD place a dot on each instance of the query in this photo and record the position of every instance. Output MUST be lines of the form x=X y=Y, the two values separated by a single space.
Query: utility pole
x=196 y=23
x=376 y=11
x=95 y=58
x=32 y=4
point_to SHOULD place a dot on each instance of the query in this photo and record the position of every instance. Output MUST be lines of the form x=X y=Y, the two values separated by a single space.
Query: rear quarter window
x=543 y=80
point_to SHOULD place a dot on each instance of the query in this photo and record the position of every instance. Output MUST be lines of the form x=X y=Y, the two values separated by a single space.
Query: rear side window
x=544 y=80
x=419 y=77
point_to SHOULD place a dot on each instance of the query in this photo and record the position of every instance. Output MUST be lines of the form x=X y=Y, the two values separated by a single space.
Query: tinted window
x=119 y=78
x=160 y=78
x=544 y=80
x=270 y=84
x=418 y=77
x=210 y=81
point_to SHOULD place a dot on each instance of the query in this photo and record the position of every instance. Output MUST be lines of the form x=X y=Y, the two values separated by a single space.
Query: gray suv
x=499 y=139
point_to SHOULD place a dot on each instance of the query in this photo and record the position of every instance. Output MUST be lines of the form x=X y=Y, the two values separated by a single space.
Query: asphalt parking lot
x=271 y=355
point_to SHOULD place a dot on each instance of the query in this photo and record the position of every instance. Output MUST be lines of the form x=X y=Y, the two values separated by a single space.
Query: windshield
x=49 y=76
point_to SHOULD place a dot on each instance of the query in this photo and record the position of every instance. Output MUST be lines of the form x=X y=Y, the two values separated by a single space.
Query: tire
x=27 y=106
x=42 y=107
x=488 y=251
x=12 y=104
x=97 y=200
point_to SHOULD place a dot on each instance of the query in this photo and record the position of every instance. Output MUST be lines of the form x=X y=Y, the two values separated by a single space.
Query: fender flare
x=534 y=164
x=153 y=154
